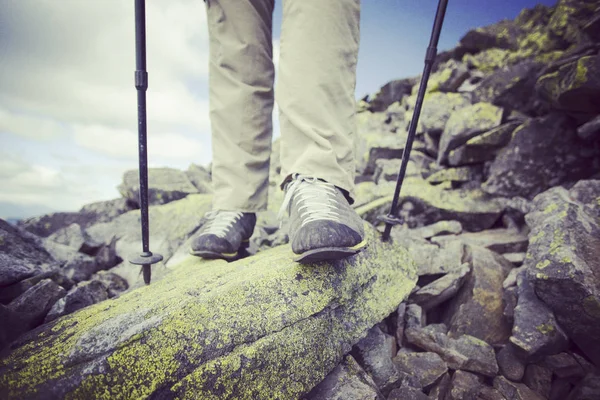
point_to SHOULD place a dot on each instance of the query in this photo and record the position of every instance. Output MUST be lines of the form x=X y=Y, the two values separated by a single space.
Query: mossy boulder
x=436 y=110
x=483 y=147
x=259 y=327
x=423 y=204
x=542 y=153
x=574 y=87
x=501 y=35
x=466 y=123
x=562 y=260
x=512 y=87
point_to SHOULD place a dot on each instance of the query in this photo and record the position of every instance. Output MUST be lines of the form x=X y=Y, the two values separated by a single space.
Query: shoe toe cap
x=321 y=234
x=213 y=243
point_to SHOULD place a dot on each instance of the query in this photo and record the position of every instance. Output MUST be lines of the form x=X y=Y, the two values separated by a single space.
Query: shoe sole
x=213 y=255
x=329 y=253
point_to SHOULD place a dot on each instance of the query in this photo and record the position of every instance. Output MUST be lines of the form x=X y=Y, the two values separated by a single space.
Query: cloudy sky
x=68 y=104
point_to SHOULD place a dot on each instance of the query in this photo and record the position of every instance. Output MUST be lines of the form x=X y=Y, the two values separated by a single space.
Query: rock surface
x=221 y=322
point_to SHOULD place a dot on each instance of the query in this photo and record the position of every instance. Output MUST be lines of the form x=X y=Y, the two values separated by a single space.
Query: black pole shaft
x=141 y=84
x=429 y=60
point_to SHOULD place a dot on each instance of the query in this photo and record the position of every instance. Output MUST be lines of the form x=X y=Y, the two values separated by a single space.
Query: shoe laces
x=218 y=222
x=316 y=200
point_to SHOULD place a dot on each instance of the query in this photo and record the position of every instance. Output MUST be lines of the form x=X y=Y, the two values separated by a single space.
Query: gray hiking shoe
x=224 y=235
x=323 y=226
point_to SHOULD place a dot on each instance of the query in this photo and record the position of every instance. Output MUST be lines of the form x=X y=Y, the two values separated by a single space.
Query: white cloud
x=30 y=126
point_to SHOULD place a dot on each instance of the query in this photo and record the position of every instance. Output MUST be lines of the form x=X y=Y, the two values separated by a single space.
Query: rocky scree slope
x=501 y=217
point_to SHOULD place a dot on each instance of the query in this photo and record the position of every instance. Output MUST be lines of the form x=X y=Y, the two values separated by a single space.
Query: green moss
x=545 y=329
x=581 y=73
x=543 y=264
x=212 y=319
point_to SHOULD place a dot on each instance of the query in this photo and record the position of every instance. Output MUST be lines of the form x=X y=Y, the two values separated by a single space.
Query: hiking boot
x=224 y=235
x=323 y=226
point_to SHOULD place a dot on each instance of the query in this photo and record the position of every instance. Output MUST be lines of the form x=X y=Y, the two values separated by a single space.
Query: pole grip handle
x=141 y=80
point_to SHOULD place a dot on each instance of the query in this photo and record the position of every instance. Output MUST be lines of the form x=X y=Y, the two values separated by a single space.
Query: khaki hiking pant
x=315 y=95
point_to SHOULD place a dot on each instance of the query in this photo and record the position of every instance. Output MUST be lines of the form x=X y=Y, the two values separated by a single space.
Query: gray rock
x=513 y=390
x=74 y=236
x=562 y=261
x=509 y=300
x=442 y=289
x=347 y=381
x=449 y=77
x=172 y=224
x=218 y=316
x=501 y=35
x=200 y=177
x=28 y=310
x=102 y=211
x=483 y=147
x=11 y=292
x=115 y=285
x=574 y=87
x=414 y=316
x=512 y=87
x=456 y=175
x=477 y=308
x=488 y=393
x=498 y=240
x=511 y=278
x=511 y=363
x=466 y=123
x=387 y=170
x=564 y=366
x=535 y=328
x=430 y=259
x=542 y=153
x=374 y=353
x=407 y=393
x=515 y=259
x=587 y=389
x=436 y=110
x=441 y=388
x=75 y=266
x=389 y=93
x=399 y=319
x=560 y=389
x=164 y=185
x=466 y=353
x=438 y=228
x=464 y=386
x=21 y=255
x=422 y=204
x=590 y=130
x=82 y=295
x=107 y=257
x=426 y=367
x=539 y=379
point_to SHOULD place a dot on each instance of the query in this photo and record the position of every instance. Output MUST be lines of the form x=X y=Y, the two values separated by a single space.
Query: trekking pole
x=146 y=258
x=430 y=55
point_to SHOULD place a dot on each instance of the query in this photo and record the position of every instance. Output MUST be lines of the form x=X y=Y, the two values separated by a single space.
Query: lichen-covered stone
x=164 y=185
x=263 y=326
x=535 y=331
x=466 y=123
x=477 y=309
x=499 y=240
x=562 y=260
x=483 y=147
x=460 y=175
x=542 y=153
x=438 y=228
x=437 y=108
x=472 y=208
x=574 y=87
